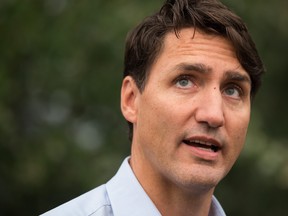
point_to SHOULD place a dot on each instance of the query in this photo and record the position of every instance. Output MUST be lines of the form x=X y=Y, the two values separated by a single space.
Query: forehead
x=191 y=42
x=195 y=47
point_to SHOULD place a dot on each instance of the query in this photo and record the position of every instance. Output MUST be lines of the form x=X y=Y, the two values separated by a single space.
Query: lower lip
x=204 y=154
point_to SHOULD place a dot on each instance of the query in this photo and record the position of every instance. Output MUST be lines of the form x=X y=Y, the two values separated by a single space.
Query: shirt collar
x=216 y=209
x=127 y=196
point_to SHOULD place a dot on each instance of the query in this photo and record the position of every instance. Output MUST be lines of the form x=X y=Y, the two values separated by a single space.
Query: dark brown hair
x=210 y=16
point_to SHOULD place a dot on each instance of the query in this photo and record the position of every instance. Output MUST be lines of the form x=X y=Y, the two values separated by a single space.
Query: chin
x=198 y=179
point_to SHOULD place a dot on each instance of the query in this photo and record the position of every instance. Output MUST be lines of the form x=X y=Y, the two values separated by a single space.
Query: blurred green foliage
x=61 y=130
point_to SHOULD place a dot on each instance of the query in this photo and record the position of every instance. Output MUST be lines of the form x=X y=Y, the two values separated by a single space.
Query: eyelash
x=235 y=86
x=183 y=77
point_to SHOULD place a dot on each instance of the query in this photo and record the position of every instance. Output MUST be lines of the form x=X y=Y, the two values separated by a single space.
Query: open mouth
x=203 y=145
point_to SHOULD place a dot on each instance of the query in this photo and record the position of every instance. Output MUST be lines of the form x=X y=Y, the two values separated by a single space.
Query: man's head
x=145 y=42
x=190 y=73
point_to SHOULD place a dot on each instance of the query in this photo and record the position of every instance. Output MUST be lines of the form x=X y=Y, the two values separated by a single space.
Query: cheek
x=238 y=133
x=235 y=142
x=158 y=120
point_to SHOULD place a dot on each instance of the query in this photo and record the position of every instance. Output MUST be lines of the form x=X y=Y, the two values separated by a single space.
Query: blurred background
x=61 y=130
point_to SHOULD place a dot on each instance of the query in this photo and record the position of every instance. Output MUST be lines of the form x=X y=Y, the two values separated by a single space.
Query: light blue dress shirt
x=121 y=196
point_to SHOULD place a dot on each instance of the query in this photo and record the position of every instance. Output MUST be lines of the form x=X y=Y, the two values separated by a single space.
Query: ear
x=129 y=94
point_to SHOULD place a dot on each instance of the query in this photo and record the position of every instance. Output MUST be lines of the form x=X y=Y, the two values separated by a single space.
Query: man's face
x=190 y=122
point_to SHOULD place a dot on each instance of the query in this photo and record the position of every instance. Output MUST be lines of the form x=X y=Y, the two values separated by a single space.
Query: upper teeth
x=201 y=142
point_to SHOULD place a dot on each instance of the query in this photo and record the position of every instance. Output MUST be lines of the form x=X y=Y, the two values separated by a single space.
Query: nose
x=210 y=109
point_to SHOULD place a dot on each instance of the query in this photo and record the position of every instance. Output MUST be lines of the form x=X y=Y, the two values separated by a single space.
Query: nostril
x=212 y=116
x=210 y=107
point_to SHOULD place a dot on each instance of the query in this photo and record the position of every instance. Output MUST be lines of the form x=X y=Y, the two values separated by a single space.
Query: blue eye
x=233 y=91
x=184 y=82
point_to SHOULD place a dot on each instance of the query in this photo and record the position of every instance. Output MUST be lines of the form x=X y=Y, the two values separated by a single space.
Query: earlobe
x=129 y=93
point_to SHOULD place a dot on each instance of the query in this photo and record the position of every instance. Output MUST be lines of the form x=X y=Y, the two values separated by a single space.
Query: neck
x=169 y=198
x=172 y=200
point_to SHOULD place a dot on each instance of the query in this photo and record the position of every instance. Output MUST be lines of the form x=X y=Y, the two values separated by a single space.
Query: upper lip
x=204 y=141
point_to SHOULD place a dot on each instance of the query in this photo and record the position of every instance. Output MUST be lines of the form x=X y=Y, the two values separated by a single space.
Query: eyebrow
x=197 y=67
x=237 y=76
